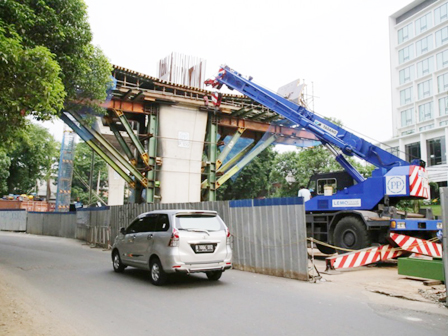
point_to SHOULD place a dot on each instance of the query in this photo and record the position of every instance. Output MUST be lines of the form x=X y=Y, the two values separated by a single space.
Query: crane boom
x=326 y=131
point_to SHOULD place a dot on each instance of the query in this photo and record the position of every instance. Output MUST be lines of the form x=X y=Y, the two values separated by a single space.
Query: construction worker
x=305 y=193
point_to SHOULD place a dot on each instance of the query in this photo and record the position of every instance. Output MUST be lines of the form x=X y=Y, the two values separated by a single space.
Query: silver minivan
x=170 y=241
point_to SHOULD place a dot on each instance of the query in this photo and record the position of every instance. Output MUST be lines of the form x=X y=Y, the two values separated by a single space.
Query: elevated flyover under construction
x=162 y=139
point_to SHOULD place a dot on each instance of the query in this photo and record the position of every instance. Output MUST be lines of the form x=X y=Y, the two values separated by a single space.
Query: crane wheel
x=351 y=233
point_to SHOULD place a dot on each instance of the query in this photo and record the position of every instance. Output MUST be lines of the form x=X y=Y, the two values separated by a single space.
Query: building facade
x=419 y=82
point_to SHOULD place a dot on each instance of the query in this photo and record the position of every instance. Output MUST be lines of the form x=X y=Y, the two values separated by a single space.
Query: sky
x=340 y=48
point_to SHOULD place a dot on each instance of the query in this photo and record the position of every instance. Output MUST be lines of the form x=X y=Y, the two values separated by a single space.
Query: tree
x=303 y=164
x=81 y=176
x=5 y=162
x=46 y=61
x=31 y=157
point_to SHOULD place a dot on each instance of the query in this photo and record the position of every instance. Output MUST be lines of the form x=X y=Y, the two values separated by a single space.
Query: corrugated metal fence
x=269 y=236
x=13 y=220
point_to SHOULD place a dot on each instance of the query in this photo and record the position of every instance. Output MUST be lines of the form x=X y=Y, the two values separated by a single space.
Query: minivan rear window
x=203 y=222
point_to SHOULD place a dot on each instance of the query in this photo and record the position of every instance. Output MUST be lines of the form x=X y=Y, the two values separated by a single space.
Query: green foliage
x=46 y=61
x=299 y=166
x=5 y=163
x=30 y=83
x=81 y=176
x=31 y=156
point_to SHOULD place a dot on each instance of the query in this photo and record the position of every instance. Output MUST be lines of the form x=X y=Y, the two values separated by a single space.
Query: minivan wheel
x=116 y=262
x=214 y=275
x=158 y=275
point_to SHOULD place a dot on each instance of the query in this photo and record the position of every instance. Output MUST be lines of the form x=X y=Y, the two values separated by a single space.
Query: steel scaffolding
x=65 y=174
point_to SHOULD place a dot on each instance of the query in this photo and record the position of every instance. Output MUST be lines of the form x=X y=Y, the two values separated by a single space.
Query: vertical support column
x=212 y=132
x=152 y=152
x=423 y=151
x=446 y=144
x=444 y=202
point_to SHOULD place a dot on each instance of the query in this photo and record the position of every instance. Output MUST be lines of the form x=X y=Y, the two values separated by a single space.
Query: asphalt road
x=78 y=286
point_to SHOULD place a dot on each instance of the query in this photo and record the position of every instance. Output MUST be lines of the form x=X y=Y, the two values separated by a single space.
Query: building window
x=442 y=82
x=407 y=117
x=424 y=45
x=405 y=33
x=425 y=112
x=441 y=37
x=393 y=150
x=412 y=151
x=407 y=132
x=441 y=13
x=425 y=67
x=425 y=128
x=406 y=74
x=423 y=24
x=406 y=96
x=406 y=54
x=443 y=123
x=443 y=106
x=442 y=59
x=436 y=151
x=425 y=89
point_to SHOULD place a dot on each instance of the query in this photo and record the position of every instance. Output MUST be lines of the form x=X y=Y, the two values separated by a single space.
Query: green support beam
x=132 y=136
x=114 y=152
x=248 y=158
x=84 y=134
x=243 y=114
x=236 y=158
x=212 y=132
x=222 y=156
x=152 y=150
x=231 y=162
x=121 y=141
x=238 y=112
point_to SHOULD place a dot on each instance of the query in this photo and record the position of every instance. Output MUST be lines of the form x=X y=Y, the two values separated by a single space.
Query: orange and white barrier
x=416 y=245
x=363 y=257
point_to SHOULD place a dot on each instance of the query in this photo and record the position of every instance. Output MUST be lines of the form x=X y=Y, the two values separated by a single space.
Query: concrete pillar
x=116 y=187
x=423 y=151
x=180 y=144
x=446 y=143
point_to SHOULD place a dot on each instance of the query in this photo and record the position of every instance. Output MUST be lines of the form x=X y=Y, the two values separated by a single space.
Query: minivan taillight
x=227 y=236
x=174 y=241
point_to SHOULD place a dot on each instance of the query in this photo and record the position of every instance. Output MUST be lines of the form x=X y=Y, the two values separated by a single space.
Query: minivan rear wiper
x=195 y=230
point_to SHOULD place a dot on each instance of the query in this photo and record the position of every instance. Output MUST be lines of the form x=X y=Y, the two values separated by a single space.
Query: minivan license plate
x=203 y=248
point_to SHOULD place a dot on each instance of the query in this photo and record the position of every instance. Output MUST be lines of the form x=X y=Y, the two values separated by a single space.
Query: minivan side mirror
x=123 y=231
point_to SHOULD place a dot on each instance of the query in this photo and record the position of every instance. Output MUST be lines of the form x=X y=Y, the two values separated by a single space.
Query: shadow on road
x=175 y=281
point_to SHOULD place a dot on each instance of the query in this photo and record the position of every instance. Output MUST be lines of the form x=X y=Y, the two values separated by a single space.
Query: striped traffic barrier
x=416 y=245
x=363 y=257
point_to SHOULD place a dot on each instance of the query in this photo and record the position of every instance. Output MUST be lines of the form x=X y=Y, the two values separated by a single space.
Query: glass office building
x=419 y=76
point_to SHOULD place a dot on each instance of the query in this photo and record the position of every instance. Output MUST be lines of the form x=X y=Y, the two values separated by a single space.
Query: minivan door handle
x=149 y=236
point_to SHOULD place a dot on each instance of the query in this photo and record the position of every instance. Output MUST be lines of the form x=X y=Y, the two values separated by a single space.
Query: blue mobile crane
x=358 y=214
